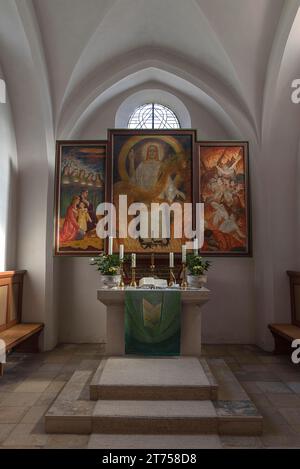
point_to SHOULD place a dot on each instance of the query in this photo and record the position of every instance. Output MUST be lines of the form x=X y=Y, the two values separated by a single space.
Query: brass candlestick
x=121 y=283
x=172 y=279
x=133 y=282
x=184 y=284
x=152 y=265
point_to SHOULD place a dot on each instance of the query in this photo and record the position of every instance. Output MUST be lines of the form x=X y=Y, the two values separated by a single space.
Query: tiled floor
x=32 y=382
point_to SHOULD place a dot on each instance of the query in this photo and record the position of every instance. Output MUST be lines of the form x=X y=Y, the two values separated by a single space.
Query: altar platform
x=139 y=396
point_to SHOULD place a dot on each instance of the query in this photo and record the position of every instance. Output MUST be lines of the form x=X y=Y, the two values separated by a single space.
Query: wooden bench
x=15 y=335
x=284 y=334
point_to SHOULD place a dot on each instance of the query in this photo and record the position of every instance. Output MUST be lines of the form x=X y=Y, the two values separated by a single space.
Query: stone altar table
x=192 y=301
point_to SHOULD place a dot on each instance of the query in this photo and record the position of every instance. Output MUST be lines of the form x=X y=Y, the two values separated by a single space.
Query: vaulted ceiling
x=214 y=50
x=224 y=44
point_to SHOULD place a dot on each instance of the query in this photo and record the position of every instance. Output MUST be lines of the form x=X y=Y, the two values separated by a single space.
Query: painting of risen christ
x=152 y=168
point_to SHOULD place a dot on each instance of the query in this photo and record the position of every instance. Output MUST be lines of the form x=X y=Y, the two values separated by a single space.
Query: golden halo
x=178 y=148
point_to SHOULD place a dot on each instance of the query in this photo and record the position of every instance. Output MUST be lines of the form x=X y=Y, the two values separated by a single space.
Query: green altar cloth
x=152 y=322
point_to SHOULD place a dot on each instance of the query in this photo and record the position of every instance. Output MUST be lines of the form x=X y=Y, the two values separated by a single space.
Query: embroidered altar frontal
x=152 y=322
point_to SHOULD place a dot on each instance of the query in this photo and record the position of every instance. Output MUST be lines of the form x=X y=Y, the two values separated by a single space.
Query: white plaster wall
x=8 y=186
x=83 y=319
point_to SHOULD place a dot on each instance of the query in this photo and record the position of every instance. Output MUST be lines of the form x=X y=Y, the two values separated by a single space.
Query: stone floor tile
x=23 y=435
x=33 y=385
x=58 y=358
x=280 y=441
x=231 y=391
x=274 y=387
x=296 y=428
x=294 y=386
x=254 y=367
x=9 y=385
x=240 y=442
x=35 y=414
x=5 y=430
x=272 y=417
x=214 y=350
x=67 y=441
x=21 y=399
x=291 y=415
x=88 y=364
x=251 y=387
x=229 y=359
x=46 y=367
x=255 y=376
x=247 y=358
x=10 y=414
x=3 y=395
x=235 y=367
x=55 y=386
x=284 y=400
x=260 y=401
x=46 y=398
x=267 y=359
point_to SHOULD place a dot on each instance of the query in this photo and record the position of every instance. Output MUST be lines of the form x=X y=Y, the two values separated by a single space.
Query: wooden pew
x=15 y=334
x=284 y=334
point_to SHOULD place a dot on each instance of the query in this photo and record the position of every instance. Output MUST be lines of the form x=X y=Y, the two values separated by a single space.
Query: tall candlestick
x=196 y=246
x=183 y=253
x=152 y=265
x=121 y=255
x=110 y=245
x=133 y=260
x=171 y=259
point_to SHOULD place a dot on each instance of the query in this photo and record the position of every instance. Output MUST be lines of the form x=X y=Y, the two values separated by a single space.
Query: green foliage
x=108 y=264
x=196 y=264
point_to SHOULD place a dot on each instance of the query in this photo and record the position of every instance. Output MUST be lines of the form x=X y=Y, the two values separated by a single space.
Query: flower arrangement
x=107 y=264
x=196 y=264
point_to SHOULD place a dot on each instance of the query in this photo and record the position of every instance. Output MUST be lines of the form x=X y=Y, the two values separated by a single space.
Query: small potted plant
x=109 y=267
x=197 y=266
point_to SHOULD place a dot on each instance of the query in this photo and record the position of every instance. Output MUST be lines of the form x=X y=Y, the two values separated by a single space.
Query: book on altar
x=153 y=282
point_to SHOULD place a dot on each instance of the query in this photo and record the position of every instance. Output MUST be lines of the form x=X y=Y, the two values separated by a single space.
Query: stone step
x=175 y=378
x=113 y=441
x=154 y=417
x=233 y=413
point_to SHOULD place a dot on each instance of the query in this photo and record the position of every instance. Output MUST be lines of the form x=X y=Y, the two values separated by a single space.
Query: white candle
x=121 y=255
x=133 y=260
x=110 y=245
x=183 y=251
x=196 y=246
x=171 y=257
